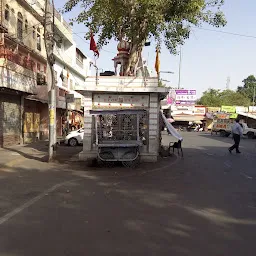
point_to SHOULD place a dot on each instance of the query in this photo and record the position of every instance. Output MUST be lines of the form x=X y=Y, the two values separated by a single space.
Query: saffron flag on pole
x=93 y=46
x=157 y=62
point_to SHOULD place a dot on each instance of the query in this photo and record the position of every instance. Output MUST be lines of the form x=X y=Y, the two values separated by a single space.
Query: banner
x=181 y=97
x=252 y=109
x=199 y=111
x=213 y=109
x=228 y=109
x=241 y=109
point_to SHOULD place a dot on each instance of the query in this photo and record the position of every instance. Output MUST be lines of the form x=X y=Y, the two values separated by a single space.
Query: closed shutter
x=10 y=120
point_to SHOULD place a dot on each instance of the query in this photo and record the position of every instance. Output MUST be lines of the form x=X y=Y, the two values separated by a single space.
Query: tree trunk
x=133 y=59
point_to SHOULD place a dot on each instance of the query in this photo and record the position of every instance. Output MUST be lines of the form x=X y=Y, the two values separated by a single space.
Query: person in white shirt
x=237 y=132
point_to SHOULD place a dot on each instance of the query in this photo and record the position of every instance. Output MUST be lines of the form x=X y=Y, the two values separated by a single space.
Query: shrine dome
x=123 y=46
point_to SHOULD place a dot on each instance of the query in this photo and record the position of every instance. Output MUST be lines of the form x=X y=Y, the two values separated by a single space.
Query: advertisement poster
x=181 y=97
x=228 y=109
x=252 y=109
x=199 y=111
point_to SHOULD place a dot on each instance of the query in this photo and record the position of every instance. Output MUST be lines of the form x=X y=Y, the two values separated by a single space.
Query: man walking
x=237 y=132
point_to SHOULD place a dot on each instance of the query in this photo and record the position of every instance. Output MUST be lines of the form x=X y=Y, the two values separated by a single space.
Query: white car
x=75 y=137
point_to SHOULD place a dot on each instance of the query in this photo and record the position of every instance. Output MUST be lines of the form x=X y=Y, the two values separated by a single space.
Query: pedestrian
x=237 y=132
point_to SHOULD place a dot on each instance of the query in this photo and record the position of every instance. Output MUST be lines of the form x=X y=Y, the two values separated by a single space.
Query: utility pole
x=253 y=100
x=49 y=43
x=228 y=83
x=180 y=68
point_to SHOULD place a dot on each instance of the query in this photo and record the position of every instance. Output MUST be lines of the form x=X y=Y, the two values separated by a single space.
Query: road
x=203 y=204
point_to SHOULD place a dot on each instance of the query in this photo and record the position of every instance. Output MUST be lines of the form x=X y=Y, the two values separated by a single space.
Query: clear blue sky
x=208 y=58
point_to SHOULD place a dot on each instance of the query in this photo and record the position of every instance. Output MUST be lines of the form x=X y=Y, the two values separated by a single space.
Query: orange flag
x=157 y=62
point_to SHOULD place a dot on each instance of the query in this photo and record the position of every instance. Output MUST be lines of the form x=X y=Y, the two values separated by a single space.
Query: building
x=23 y=88
x=22 y=64
x=71 y=69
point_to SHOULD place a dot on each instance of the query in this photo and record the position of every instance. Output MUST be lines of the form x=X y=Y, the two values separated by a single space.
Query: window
x=38 y=67
x=71 y=87
x=20 y=26
x=45 y=68
x=7 y=13
x=26 y=26
x=34 y=32
x=79 y=58
x=38 y=40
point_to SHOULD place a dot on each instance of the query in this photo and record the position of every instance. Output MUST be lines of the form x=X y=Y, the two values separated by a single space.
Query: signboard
x=107 y=101
x=252 y=109
x=181 y=97
x=17 y=81
x=228 y=109
x=233 y=116
x=199 y=111
x=221 y=116
x=223 y=124
x=70 y=98
x=213 y=109
x=241 y=109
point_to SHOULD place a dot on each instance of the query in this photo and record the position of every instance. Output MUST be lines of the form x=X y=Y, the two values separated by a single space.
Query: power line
x=226 y=32
x=76 y=34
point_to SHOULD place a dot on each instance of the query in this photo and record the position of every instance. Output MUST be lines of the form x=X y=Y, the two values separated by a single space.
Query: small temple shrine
x=123 y=111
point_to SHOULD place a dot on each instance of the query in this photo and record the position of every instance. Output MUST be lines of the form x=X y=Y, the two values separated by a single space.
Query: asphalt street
x=202 y=204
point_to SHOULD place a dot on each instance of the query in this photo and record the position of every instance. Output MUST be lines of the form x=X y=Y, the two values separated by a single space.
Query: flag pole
x=97 y=71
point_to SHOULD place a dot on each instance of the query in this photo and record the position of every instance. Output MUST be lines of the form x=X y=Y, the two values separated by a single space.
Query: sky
x=208 y=57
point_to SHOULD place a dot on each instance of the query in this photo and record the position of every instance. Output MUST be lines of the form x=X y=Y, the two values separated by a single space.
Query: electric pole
x=180 y=68
x=228 y=83
x=49 y=44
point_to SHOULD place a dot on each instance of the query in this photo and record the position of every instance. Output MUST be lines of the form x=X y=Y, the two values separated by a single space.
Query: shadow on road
x=39 y=151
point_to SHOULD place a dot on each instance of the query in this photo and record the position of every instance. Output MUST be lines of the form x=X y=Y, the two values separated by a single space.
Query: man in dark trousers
x=237 y=132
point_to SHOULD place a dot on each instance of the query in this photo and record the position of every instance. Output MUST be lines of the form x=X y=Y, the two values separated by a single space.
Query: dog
x=178 y=146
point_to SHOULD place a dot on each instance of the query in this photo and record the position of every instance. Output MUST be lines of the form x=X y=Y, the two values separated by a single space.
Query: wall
x=10 y=119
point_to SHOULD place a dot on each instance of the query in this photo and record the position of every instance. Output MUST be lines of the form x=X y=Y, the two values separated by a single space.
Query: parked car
x=75 y=138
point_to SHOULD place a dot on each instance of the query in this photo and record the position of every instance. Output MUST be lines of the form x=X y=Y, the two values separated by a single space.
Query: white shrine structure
x=121 y=92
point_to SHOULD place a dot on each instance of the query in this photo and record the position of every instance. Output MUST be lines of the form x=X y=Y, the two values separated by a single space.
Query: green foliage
x=138 y=20
x=248 y=87
x=217 y=98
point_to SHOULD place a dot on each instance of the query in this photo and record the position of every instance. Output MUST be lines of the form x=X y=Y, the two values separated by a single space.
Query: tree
x=138 y=20
x=248 y=87
x=210 y=98
x=217 y=98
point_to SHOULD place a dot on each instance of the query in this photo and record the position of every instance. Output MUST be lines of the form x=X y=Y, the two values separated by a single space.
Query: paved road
x=203 y=204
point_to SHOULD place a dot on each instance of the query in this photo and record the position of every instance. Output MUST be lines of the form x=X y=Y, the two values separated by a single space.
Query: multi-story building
x=71 y=69
x=23 y=88
x=22 y=64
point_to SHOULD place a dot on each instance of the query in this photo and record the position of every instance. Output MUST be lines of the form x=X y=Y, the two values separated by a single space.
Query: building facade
x=22 y=63
x=23 y=85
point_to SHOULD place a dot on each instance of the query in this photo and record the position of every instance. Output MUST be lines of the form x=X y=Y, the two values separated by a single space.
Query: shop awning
x=188 y=118
x=250 y=115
